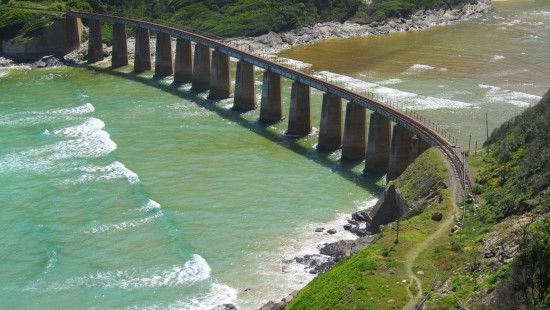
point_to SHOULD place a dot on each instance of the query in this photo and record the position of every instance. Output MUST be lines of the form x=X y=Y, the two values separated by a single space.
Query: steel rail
x=420 y=129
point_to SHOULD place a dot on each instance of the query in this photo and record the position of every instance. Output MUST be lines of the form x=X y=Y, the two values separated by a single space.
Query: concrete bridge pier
x=163 y=56
x=245 y=87
x=142 y=59
x=120 y=47
x=220 y=80
x=201 y=69
x=183 y=68
x=299 y=117
x=271 y=105
x=95 y=42
x=354 y=146
x=330 y=132
x=423 y=146
x=401 y=152
x=73 y=33
x=378 y=144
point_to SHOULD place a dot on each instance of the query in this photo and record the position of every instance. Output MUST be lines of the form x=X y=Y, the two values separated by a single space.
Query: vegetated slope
x=506 y=241
x=384 y=275
x=231 y=18
x=499 y=258
x=20 y=25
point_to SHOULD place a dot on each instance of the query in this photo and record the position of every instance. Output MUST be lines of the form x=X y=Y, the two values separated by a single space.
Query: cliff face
x=417 y=188
x=61 y=37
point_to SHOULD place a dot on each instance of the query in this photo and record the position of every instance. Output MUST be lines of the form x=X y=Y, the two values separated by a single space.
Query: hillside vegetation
x=232 y=18
x=498 y=259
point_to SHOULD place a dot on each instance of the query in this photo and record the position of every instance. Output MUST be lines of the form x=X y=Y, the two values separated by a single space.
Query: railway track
x=417 y=126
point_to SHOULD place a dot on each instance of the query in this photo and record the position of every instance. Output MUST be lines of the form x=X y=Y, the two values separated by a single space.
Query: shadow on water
x=344 y=169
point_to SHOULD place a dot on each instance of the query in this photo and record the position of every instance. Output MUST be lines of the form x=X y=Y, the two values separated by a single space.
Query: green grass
x=374 y=276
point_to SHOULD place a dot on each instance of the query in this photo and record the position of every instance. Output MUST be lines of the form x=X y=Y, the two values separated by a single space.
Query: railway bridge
x=395 y=136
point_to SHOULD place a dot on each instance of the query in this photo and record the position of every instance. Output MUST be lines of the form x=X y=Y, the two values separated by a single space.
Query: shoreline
x=421 y=20
x=275 y=42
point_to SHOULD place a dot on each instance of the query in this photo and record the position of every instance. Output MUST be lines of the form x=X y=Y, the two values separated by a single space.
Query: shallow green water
x=119 y=194
x=125 y=192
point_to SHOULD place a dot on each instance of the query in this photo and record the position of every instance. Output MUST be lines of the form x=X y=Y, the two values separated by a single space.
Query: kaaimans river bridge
x=204 y=62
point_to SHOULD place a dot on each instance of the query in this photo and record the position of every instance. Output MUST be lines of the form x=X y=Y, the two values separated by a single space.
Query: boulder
x=437 y=216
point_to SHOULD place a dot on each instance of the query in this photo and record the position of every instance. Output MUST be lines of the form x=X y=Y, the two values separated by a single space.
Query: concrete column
x=245 y=87
x=354 y=133
x=183 y=71
x=299 y=117
x=423 y=146
x=120 y=47
x=95 y=42
x=271 y=106
x=142 y=60
x=414 y=148
x=73 y=32
x=201 y=69
x=330 y=132
x=163 y=56
x=220 y=80
x=378 y=145
x=400 y=154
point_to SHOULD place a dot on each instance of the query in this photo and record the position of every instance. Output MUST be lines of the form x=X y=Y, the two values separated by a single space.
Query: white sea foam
x=34 y=117
x=113 y=171
x=387 y=94
x=417 y=68
x=390 y=82
x=191 y=272
x=498 y=57
x=496 y=95
x=296 y=64
x=80 y=110
x=152 y=207
x=218 y=294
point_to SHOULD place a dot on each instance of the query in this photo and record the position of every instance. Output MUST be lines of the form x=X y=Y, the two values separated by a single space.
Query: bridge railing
x=411 y=120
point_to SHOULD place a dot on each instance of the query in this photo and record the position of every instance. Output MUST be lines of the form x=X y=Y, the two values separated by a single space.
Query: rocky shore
x=275 y=42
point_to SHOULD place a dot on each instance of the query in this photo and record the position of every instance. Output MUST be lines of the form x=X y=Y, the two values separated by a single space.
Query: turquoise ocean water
x=122 y=191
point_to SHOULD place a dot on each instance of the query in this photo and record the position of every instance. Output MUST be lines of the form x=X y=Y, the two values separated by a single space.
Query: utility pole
x=464 y=184
x=487 y=124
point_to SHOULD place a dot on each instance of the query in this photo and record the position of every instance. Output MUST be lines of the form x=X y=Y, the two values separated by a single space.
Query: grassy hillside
x=499 y=258
x=231 y=18
x=373 y=279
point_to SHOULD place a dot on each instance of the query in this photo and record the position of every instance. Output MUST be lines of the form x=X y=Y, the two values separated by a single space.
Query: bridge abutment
x=201 y=68
x=353 y=148
x=163 y=56
x=142 y=58
x=378 y=144
x=95 y=42
x=330 y=132
x=183 y=67
x=220 y=80
x=271 y=106
x=401 y=151
x=245 y=87
x=120 y=47
x=299 y=117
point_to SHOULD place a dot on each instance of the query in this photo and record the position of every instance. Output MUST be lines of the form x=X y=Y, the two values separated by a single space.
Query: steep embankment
x=499 y=258
x=390 y=274
x=506 y=240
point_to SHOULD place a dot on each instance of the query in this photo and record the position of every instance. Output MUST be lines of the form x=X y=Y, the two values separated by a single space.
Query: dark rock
x=331 y=231
x=348 y=227
x=225 y=307
x=47 y=62
x=319 y=229
x=360 y=216
x=437 y=216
